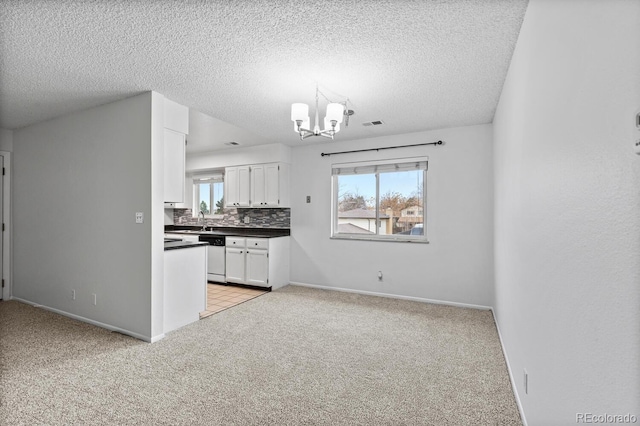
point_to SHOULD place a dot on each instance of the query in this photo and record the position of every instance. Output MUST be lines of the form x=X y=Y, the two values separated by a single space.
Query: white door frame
x=6 y=218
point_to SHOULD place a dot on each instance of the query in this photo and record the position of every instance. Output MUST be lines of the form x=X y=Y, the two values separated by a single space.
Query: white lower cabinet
x=235 y=260
x=262 y=262
x=257 y=267
x=248 y=261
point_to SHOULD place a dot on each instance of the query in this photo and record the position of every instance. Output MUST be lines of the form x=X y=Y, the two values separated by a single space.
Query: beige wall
x=567 y=229
x=456 y=266
x=78 y=181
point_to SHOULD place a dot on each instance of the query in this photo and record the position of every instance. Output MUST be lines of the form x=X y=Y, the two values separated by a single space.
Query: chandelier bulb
x=333 y=118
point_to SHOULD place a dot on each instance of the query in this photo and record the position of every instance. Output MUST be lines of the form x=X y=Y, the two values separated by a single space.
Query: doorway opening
x=221 y=297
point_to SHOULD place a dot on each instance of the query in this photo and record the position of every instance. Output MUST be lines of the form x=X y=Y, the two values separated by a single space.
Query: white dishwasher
x=216 y=257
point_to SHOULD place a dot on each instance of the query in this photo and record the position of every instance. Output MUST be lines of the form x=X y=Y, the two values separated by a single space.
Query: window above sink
x=208 y=191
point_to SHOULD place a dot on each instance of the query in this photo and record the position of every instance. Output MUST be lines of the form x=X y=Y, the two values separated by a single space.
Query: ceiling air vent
x=373 y=123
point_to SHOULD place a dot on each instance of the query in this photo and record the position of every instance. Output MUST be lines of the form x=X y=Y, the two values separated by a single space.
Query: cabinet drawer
x=258 y=243
x=235 y=242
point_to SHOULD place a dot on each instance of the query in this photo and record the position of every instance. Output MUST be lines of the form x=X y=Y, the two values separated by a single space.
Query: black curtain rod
x=379 y=149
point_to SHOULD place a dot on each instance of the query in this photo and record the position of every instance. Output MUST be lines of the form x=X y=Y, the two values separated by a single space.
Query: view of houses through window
x=209 y=195
x=380 y=200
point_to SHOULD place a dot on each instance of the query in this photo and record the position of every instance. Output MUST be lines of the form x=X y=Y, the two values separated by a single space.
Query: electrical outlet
x=95 y=299
x=139 y=217
x=247 y=219
x=379 y=275
x=73 y=295
x=526 y=382
x=308 y=198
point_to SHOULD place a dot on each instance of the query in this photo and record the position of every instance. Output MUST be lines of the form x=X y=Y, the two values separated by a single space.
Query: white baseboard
x=156 y=338
x=92 y=322
x=394 y=296
x=511 y=377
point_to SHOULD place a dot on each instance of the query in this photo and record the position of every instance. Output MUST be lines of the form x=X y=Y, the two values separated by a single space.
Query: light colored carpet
x=295 y=356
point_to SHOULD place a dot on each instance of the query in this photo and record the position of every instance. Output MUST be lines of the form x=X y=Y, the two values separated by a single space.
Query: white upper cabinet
x=266 y=185
x=230 y=186
x=243 y=187
x=237 y=186
x=174 y=152
x=276 y=185
x=176 y=117
x=176 y=126
x=187 y=202
x=257 y=185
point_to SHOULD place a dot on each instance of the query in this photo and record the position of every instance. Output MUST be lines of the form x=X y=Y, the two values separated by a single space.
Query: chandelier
x=332 y=120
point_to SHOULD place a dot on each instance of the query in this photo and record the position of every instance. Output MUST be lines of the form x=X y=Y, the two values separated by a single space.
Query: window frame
x=198 y=179
x=378 y=237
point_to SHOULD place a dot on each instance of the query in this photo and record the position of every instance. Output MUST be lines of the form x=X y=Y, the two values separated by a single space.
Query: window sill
x=382 y=239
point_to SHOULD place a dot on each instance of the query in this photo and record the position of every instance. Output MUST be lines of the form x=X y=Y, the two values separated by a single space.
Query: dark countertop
x=174 y=245
x=229 y=231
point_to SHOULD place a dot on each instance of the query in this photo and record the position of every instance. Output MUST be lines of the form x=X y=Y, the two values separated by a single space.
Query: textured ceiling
x=415 y=65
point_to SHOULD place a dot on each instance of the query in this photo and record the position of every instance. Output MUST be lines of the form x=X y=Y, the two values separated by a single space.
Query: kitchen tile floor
x=221 y=297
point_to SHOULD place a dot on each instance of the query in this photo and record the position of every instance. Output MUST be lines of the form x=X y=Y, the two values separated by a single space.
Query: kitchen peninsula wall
x=258 y=218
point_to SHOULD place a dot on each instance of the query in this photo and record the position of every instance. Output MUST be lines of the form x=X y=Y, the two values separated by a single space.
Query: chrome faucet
x=204 y=224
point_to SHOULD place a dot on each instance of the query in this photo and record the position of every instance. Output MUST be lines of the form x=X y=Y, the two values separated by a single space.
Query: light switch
x=139 y=217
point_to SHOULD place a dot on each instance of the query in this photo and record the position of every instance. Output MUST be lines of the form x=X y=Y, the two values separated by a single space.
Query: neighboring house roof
x=361 y=214
x=350 y=228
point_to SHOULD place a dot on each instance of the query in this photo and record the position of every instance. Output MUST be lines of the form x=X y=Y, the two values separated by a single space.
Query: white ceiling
x=416 y=65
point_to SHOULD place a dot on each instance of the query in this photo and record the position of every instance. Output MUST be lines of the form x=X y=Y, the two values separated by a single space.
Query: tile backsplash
x=258 y=218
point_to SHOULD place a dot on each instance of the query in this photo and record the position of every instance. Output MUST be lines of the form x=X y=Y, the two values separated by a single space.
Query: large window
x=208 y=194
x=382 y=200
